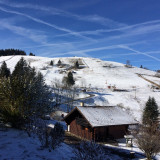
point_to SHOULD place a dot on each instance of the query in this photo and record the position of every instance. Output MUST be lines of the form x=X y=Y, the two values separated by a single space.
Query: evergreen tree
x=4 y=71
x=31 y=54
x=69 y=79
x=77 y=65
x=25 y=94
x=148 y=133
x=8 y=52
x=51 y=63
x=150 y=113
x=59 y=62
x=21 y=68
x=141 y=66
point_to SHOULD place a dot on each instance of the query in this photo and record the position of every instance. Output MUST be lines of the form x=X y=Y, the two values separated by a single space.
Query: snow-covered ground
x=16 y=145
x=134 y=148
x=97 y=75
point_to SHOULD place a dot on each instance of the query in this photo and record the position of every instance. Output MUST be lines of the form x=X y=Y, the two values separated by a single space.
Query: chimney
x=82 y=104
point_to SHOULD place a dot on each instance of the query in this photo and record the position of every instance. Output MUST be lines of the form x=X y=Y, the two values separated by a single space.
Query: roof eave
x=116 y=125
x=76 y=108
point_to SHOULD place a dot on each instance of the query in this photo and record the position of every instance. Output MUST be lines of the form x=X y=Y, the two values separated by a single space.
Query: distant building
x=99 y=123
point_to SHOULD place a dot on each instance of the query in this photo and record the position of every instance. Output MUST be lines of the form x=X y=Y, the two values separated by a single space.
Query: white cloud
x=116 y=55
x=34 y=35
x=45 y=23
x=136 y=51
x=128 y=31
x=54 y=11
x=85 y=51
x=60 y=44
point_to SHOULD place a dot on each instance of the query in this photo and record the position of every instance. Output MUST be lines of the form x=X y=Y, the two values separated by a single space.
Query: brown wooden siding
x=117 y=131
x=101 y=134
x=80 y=127
x=83 y=132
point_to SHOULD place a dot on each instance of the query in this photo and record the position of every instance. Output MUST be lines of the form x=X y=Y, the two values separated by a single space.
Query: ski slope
x=96 y=75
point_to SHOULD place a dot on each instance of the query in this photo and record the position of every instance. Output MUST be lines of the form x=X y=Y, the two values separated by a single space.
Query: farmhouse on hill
x=99 y=123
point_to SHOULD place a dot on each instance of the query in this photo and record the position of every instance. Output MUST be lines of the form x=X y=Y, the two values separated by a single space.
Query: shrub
x=89 y=151
x=57 y=135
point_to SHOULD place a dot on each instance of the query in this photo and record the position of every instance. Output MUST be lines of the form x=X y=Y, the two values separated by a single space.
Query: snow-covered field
x=96 y=76
x=16 y=145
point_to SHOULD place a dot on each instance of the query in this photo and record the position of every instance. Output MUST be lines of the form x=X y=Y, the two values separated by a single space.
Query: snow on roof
x=106 y=116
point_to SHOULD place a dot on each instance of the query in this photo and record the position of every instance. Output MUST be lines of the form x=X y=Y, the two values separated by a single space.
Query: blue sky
x=112 y=30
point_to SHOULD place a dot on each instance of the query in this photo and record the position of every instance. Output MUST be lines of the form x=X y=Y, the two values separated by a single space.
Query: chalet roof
x=106 y=116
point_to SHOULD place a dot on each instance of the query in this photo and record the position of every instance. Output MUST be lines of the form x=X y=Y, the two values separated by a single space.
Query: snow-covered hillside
x=99 y=77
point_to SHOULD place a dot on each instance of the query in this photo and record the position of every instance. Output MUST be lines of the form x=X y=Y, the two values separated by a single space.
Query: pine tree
x=141 y=66
x=21 y=68
x=150 y=113
x=59 y=62
x=51 y=63
x=31 y=54
x=148 y=133
x=77 y=65
x=4 y=71
x=69 y=79
x=25 y=94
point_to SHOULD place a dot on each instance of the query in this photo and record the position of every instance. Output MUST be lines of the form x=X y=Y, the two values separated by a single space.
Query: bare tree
x=148 y=134
x=64 y=94
x=83 y=83
x=128 y=64
x=70 y=97
x=148 y=140
x=58 y=90
x=57 y=136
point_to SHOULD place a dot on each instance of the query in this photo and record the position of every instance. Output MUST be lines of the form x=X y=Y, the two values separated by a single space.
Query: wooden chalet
x=99 y=123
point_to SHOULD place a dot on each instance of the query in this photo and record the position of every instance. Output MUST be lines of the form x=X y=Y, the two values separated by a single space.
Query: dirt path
x=90 y=96
x=157 y=85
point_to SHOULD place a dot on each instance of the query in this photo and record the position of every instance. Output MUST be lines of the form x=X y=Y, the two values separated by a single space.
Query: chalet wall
x=117 y=131
x=81 y=127
x=101 y=134
x=81 y=131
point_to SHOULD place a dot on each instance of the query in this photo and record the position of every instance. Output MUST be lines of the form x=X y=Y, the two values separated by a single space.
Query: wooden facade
x=80 y=126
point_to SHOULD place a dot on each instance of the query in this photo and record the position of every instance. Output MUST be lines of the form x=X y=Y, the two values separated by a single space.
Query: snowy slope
x=16 y=145
x=97 y=75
